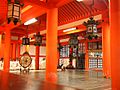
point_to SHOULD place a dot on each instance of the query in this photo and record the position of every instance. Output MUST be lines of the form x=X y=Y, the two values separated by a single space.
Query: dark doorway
x=80 y=64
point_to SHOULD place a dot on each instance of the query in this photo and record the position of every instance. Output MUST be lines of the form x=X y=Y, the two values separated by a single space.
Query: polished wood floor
x=80 y=79
x=10 y=81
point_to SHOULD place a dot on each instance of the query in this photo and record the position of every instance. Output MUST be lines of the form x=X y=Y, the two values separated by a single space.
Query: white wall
x=43 y=50
x=32 y=50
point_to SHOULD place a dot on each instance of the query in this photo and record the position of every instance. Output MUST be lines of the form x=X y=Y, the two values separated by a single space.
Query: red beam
x=29 y=14
x=36 y=3
x=1 y=29
x=63 y=2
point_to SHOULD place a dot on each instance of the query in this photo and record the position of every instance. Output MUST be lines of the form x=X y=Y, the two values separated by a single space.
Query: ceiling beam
x=100 y=5
x=106 y=3
x=18 y=33
x=75 y=23
x=36 y=3
x=1 y=29
x=62 y=2
x=32 y=13
x=52 y=1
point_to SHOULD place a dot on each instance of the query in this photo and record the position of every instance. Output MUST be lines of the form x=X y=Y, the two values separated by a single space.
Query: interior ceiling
x=68 y=11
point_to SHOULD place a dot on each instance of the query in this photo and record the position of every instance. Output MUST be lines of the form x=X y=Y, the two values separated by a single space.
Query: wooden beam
x=36 y=3
x=29 y=14
x=1 y=29
x=62 y=2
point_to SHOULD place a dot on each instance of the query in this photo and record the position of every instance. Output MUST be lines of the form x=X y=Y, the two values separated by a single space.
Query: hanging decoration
x=25 y=60
x=73 y=41
x=91 y=25
x=14 y=11
x=38 y=39
x=26 y=40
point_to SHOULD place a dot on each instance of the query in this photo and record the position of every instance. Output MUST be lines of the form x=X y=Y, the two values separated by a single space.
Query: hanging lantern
x=38 y=39
x=25 y=41
x=73 y=41
x=91 y=25
x=25 y=60
x=14 y=11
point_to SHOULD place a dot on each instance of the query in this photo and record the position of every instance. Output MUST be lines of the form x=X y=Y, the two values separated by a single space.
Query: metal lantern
x=25 y=60
x=73 y=41
x=91 y=25
x=26 y=41
x=38 y=39
x=13 y=11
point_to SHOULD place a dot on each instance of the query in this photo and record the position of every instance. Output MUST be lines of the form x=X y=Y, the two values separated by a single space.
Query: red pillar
x=0 y=46
x=11 y=50
x=115 y=43
x=58 y=52
x=86 y=56
x=7 y=50
x=106 y=46
x=37 y=58
x=18 y=48
x=18 y=53
x=51 y=45
x=14 y=51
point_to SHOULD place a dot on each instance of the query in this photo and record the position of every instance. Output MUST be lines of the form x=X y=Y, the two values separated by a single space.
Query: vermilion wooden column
x=58 y=51
x=0 y=46
x=18 y=50
x=106 y=46
x=14 y=51
x=37 y=58
x=86 y=56
x=18 y=47
x=11 y=50
x=115 y=43
x=58 y=54
x=51 y=45
x=7 y=50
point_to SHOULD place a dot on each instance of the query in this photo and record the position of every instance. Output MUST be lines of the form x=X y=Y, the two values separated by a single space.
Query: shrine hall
x=59 y=45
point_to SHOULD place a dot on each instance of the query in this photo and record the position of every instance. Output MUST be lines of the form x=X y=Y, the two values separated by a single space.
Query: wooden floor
x=10 y=81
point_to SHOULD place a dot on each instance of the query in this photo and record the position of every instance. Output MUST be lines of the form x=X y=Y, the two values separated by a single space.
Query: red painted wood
x=86 y=56
x=35 y=3
x=68 y=13
x=18 y=50
x=1 y=51
x=115 y=43
x=63 y=2
x=3 y=11
x=7 y=51
x=14 y=52
x=106 y=50
x=37 y=58
x=106 y=45
x=51 y=45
